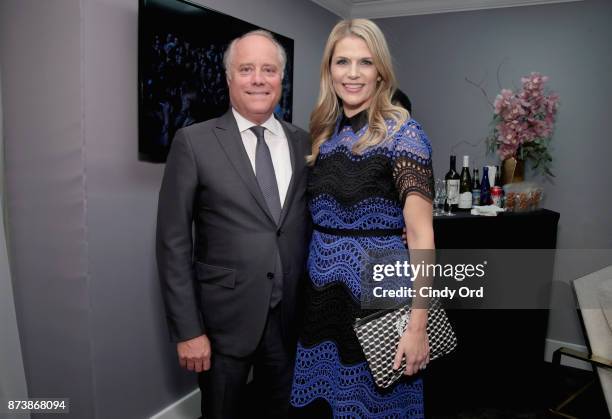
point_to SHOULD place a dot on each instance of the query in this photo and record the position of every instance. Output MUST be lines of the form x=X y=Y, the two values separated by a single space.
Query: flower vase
x=513 y=170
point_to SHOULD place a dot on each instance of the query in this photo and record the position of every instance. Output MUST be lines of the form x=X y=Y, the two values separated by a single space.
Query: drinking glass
x=439 y=197
x=449 y=213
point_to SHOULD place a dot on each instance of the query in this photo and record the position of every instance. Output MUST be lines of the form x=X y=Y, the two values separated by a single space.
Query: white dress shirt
x=275 y=138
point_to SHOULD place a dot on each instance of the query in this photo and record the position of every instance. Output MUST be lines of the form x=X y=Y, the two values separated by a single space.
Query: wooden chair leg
x=557 y=410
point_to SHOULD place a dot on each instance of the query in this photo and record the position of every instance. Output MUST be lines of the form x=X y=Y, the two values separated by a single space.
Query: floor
x=560 y=384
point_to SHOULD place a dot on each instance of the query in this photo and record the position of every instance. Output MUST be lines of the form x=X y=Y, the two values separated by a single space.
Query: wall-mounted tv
x=180 y=70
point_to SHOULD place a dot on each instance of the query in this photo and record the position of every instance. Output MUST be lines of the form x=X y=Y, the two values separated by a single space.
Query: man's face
x=254 y=78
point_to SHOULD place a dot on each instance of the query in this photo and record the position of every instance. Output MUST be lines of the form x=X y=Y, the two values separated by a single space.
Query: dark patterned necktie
x=264 y=172
x=266 y=178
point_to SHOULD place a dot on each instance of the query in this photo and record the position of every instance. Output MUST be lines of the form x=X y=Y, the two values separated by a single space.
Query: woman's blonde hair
x=327 y=110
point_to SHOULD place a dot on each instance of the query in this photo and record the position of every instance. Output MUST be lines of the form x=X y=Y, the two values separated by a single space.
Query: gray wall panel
x=41 y=68
x=12 y=380
x=570 y=43
x=82 y=208
x=131 y=343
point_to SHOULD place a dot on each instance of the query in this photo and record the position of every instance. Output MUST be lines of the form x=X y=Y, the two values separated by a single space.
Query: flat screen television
x=180 y=70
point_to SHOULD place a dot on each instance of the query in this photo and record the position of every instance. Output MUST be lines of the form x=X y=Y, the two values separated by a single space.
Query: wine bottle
x=498 y=177
x=476 y=189
x=499 y=201
x=465 y=186
x=452 y=186
x=485 y=187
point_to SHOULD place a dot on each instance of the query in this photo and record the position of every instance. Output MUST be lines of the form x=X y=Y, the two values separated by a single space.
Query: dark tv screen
x=180 y=70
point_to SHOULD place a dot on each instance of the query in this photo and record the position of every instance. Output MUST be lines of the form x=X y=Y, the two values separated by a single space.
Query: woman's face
x=353 y=74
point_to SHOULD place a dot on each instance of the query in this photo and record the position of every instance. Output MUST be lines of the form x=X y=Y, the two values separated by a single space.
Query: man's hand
x=194 y=354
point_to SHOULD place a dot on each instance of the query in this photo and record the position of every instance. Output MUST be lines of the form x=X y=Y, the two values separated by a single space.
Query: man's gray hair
x=229 y=52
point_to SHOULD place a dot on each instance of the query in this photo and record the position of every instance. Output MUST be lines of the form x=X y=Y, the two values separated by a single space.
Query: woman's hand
x=414 y=345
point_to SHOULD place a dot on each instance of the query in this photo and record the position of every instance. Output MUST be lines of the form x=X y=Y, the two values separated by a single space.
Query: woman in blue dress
x=371 y=176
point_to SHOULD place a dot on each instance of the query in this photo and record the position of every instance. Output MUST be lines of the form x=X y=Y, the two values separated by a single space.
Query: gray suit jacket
x=218 y=282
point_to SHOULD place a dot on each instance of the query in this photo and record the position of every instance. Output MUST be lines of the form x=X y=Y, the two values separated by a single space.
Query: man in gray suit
x=238 y=183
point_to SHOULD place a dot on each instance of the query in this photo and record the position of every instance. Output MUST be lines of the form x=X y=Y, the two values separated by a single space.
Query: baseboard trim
x=552 y=345
x=187 y=407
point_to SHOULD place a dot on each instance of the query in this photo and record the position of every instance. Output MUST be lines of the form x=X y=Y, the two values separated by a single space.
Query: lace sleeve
x=412 y=168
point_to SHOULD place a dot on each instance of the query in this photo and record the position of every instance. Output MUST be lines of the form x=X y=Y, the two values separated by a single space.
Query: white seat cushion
x=594 y=292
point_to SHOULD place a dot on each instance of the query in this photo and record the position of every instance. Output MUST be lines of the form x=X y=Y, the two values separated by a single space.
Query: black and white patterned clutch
x=379 y=335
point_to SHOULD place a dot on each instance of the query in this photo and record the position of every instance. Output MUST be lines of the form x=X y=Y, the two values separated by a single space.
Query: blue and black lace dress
x=356 y=203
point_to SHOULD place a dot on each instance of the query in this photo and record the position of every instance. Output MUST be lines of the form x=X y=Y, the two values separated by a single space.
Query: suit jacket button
x=278 y=233
x=270 y=275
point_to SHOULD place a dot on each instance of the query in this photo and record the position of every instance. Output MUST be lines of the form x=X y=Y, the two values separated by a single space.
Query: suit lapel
x=230 y=140
x=296 y=164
